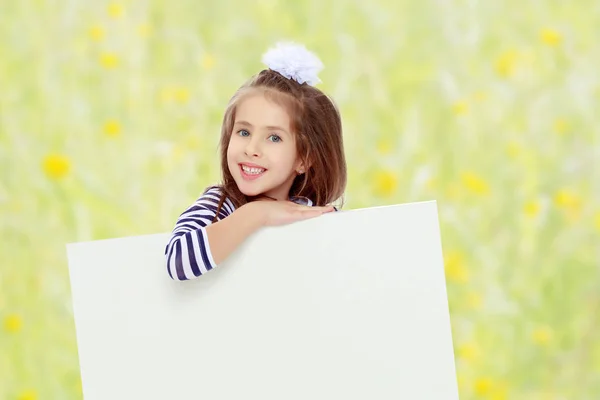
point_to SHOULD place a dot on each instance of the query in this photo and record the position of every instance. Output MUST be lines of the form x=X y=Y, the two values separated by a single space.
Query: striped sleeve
x=187 y=253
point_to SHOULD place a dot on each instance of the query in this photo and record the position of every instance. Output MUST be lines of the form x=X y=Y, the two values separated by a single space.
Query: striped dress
x=187 y=253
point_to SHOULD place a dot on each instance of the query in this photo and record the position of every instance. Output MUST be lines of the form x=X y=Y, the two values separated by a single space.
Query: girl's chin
x=249 y=191
x=255 y=193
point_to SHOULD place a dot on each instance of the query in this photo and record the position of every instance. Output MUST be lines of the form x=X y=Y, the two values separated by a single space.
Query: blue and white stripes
x=188 y=253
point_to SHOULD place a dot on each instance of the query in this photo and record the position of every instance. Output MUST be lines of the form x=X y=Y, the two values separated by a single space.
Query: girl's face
x=262 y=155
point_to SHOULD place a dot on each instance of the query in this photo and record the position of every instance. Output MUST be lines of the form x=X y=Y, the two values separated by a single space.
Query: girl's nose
x=253 y=148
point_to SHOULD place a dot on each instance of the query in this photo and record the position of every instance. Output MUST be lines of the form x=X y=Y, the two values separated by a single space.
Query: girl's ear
x=303 y=165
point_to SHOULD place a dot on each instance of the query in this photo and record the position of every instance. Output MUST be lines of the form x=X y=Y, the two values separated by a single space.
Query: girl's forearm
x=226 y=235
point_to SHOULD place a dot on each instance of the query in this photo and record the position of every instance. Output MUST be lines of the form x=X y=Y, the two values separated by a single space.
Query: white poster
x=347 y=306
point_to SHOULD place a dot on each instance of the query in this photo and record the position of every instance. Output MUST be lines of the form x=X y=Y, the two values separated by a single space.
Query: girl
x=282 y=160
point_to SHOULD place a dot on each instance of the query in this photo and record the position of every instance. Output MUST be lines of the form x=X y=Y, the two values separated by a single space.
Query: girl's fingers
x=305 y=212
x=324 y=208
x=313 y=213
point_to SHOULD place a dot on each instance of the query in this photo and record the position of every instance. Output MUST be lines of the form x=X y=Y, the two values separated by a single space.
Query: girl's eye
x=275 y=138
x=243 y=132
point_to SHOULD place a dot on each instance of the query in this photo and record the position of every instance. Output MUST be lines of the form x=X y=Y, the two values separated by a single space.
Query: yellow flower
x=483 y=386
x=385 y=183
x=542 y=335
x=455 y=268
x=469 y=352
x=207 y=61
x=28 y=395
x=560 y=126
x=475 y=183
x=569 y=203
x=116 y=10
x=112 y=128
x=506 y=64
x=109 y=60
x=181 y=94
x=97 y=33
x=13 y=323
x=56 y=166
x=143 y=30
x=550 y=37
x=460 y=107
x=531 y=208
x=567 y=200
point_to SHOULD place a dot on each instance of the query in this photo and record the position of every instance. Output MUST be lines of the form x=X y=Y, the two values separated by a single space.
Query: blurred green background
x=109 y=120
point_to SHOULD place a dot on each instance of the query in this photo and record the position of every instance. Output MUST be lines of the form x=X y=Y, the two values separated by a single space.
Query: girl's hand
x=275 y=213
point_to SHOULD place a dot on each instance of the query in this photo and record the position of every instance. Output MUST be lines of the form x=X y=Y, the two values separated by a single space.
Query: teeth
x=254 y=171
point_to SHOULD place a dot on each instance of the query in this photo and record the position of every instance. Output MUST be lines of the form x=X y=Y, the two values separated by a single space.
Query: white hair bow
x=295 y=62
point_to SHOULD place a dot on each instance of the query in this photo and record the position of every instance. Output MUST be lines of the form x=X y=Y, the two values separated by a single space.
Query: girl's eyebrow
x=248 y=124
x=271 y=127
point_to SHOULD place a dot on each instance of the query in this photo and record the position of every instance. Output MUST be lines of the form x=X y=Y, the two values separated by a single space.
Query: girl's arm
x=228 y=234
x=197 y=245
x=188 y=253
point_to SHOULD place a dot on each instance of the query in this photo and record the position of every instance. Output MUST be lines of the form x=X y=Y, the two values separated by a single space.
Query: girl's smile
x=251 y=171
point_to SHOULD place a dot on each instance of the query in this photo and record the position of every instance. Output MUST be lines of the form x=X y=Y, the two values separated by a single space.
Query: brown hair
x=317 y=126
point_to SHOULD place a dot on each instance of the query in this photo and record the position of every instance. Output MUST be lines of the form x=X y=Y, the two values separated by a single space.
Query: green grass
x=468 y=103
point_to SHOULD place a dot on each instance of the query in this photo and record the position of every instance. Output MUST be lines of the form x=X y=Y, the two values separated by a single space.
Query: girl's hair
x=317 y=127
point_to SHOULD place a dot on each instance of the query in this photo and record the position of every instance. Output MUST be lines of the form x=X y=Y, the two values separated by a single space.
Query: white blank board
x=350 y=305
